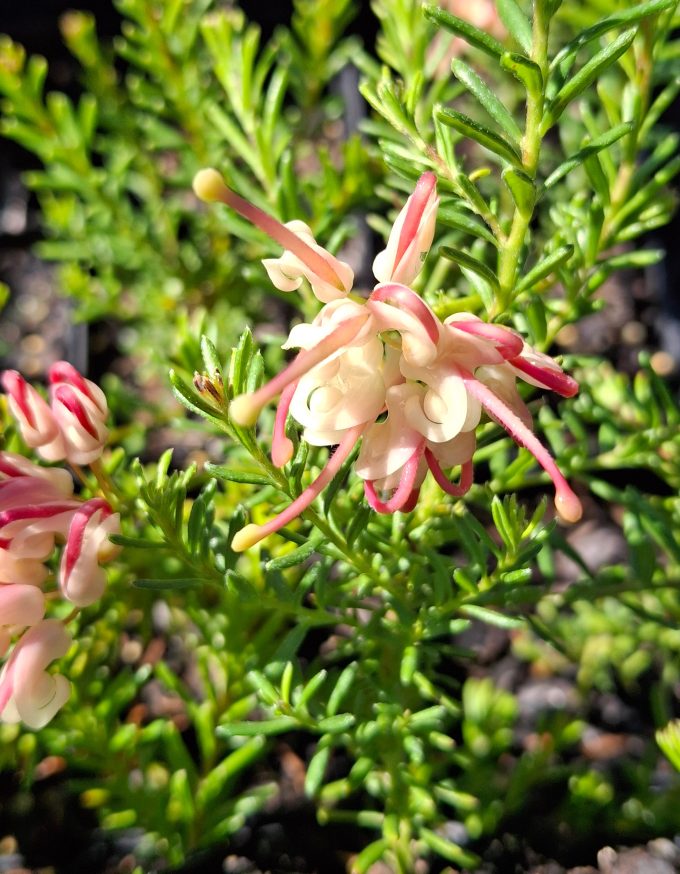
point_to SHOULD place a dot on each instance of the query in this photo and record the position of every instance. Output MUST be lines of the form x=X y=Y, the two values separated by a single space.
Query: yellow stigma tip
x=242 y=411
x=246 y=537
x=209 y=185
x=568 y=507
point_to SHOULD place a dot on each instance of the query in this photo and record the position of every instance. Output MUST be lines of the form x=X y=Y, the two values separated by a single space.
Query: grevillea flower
x=37 y=424
x=79 y=406
x=28 y=693
x=81 y=578
x=387 y=372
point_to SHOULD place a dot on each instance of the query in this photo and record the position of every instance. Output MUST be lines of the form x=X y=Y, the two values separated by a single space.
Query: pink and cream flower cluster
x=38 y=509
x=387 y=372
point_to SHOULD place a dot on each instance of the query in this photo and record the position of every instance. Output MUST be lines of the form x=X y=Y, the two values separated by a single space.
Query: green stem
x=509 y=257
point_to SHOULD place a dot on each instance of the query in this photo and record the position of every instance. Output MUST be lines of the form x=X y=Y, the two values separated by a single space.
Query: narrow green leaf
x=470 y=263
x=336 y=724
x=463 y=29
x=591 y=71
x=267 y=727
x=344 y=683
x=523 y=69
x=372 y=853
x=210 y=357
x=316 y=770
x=545 y=268
x=312 y=687
x=486 y=138
x=516 y=23
x=665 y=99
x=135 y=542
x=486 y=97
x=173 y=584
x=358 y=523
x=461 y=220
x=297 y=556
x=592 y=148
x=522 y=189
x=611 y=22
x=236 y=476
x=448 y=850
x=490 y=617
x=214 y=784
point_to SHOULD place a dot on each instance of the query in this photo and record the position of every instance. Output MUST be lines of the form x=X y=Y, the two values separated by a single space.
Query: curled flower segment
x=395 y=456
x=329 y=277
x=288 y=271
x=82 y=580
x=411 y=235
x=37 y=424
x=28 y=693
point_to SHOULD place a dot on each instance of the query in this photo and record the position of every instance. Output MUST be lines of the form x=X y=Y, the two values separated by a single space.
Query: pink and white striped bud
x=288 y=271
x=28 y=693
x=82 y=580
x=37 y=424
x=80 y=408
x=411 y=236
x=13 y=465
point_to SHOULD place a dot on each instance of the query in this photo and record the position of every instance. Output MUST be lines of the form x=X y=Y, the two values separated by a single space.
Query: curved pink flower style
x=302 y=257
x=81 y=578
x=28 y=693
x=37 y=424
x=390 y=354
x=80 y=408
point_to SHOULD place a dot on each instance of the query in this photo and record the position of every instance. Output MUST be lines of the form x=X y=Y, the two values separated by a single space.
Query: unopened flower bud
x=81 y=410
x=37 y=423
